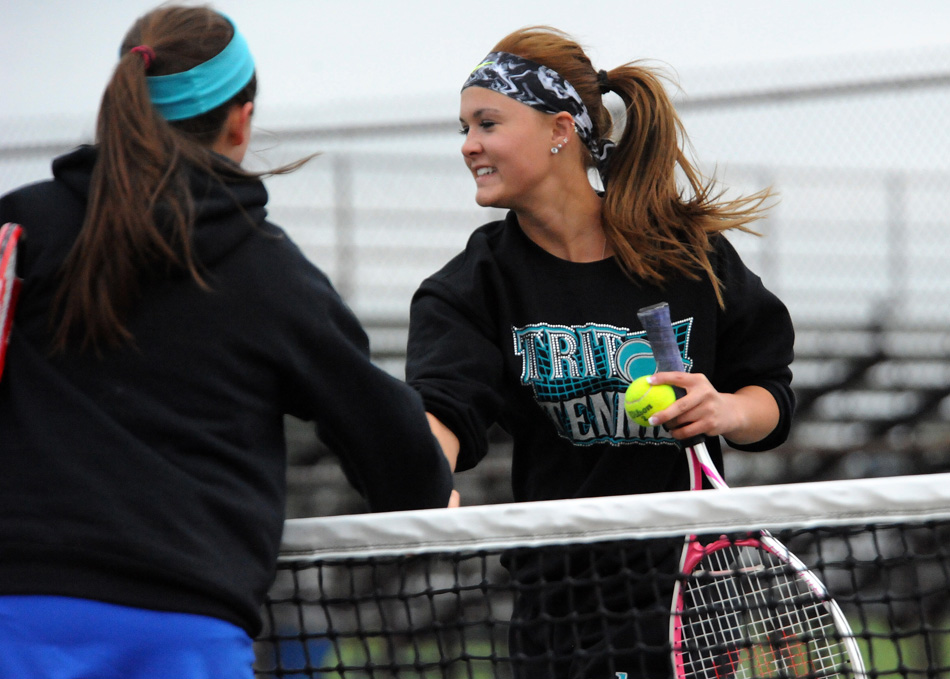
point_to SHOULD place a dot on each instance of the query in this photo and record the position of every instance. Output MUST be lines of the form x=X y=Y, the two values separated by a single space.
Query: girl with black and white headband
x=164 y=329
x=534 y=326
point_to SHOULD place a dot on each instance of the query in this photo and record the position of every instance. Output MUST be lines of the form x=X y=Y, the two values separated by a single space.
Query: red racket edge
x=10 y=235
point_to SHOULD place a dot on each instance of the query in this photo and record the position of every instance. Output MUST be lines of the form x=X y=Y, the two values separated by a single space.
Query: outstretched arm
x=446 y=439
x=450 y=448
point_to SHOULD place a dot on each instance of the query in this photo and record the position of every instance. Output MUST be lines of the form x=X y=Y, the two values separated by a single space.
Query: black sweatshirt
x=154 y=475
x=509 y=333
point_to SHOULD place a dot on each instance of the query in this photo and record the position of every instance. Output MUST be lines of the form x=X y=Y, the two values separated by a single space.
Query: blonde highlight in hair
x=654 y=226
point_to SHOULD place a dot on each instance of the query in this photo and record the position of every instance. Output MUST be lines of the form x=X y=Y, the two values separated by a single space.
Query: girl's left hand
x=747 y=416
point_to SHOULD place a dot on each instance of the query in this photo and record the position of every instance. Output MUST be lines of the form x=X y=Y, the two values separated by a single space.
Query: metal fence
x=858 y=244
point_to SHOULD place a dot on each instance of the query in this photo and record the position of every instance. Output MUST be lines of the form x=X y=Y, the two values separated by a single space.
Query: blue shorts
x=51 y=637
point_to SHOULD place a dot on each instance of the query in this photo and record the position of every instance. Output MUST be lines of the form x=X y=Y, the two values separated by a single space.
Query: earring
x=555 y=149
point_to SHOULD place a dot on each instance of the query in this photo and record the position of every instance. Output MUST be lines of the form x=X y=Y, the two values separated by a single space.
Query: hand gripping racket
x=745 y=606
x=9 y=283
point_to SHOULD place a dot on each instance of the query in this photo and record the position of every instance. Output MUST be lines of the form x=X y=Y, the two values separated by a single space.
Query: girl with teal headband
x=198 y=90
x=164 y=331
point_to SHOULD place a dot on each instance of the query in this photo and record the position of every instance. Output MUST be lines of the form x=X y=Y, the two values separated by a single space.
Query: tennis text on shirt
x=578 y=375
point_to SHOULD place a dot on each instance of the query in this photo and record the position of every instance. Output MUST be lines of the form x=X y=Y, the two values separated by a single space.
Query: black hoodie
x=154 y=475
x=509 y=333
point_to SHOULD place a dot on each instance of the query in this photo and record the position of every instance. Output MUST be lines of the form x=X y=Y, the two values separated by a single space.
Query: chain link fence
x=857 y=150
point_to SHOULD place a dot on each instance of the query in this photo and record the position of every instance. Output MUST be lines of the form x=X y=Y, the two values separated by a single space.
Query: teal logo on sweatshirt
x=579 y=374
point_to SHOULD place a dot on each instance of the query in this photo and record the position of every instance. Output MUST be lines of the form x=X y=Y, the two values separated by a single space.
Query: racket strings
x=755 y=616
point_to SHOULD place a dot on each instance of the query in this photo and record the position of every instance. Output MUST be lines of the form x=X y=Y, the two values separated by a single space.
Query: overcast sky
x=327 y=55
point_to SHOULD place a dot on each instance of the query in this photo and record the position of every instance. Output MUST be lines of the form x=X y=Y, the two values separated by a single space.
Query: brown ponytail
x=652 y=226
x=141 y=177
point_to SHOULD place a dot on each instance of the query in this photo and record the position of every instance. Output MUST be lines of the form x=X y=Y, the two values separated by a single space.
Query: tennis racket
x=745 y=606
x=9 y=283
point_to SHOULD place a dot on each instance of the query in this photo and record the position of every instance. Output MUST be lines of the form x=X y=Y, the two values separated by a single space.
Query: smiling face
x=507 y=148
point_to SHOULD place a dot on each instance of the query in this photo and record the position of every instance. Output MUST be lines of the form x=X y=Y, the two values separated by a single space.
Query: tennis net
x=583 y=588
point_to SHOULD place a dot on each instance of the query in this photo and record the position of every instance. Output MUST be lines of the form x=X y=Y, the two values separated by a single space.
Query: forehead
x=478 y=100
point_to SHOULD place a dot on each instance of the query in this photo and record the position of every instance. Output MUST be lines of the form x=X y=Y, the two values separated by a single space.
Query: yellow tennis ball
x=643 y=400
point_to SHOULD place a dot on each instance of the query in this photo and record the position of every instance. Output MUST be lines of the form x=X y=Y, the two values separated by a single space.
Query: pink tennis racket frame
x=10 y=235
x=656 y=321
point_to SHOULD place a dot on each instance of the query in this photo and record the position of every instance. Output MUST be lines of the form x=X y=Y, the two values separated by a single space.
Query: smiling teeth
x=482 y=171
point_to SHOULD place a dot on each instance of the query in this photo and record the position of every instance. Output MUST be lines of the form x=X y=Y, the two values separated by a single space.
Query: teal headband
x=206 y=86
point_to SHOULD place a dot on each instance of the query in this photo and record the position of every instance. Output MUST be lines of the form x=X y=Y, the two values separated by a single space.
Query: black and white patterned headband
x=542 y=89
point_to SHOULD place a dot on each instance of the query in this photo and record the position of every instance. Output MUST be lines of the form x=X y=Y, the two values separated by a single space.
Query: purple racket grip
x=656 y=321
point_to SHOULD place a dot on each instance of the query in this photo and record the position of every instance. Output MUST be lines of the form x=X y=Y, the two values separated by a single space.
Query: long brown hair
x=141 y=168
x=652 y=226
